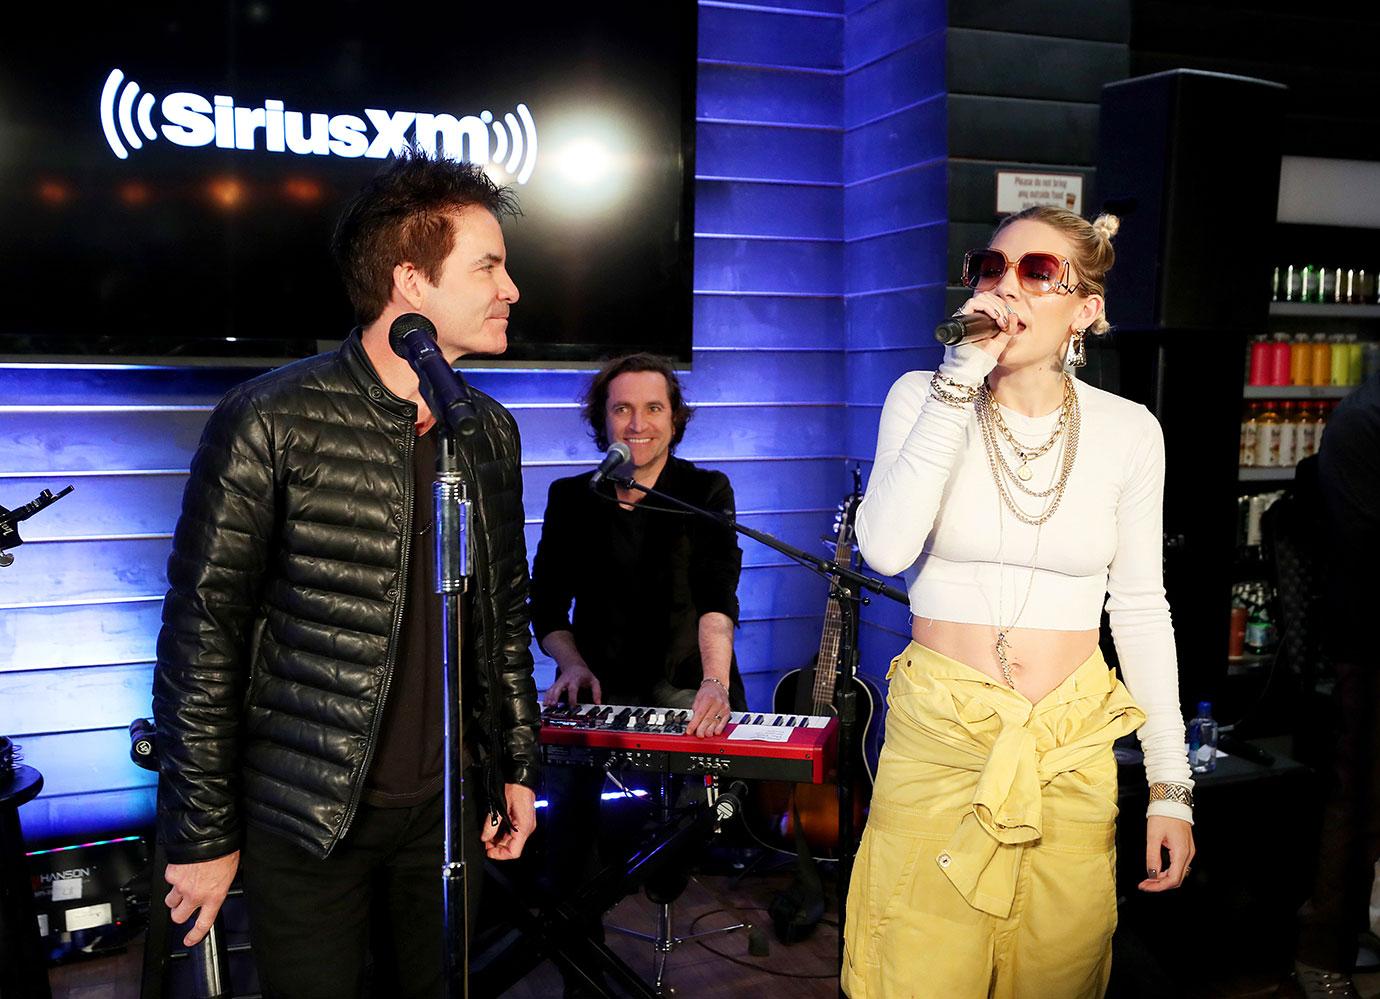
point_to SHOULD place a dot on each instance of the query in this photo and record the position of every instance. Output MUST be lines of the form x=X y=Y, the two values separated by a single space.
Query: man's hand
x=1176 y=836
x=200 y=886
x=570 y=681
x=710 y=713
x=521 y=802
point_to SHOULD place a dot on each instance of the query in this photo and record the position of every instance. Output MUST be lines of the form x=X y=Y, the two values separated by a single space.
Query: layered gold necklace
x=994 y=429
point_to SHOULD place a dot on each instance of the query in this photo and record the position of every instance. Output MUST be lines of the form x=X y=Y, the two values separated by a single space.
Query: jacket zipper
x=409 y=501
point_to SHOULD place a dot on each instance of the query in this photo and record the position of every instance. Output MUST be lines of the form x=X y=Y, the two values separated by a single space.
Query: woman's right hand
x=992 y=304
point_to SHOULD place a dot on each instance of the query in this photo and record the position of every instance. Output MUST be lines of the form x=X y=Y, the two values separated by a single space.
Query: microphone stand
x=846 y=585
x=453 y=507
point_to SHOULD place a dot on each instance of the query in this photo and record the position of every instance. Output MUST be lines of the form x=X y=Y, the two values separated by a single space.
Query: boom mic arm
x=10 y=520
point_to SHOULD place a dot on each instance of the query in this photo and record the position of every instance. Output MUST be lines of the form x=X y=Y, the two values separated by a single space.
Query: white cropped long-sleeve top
x=932 y=515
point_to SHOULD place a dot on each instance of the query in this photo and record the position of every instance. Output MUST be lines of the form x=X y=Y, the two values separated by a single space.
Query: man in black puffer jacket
x=297 y=690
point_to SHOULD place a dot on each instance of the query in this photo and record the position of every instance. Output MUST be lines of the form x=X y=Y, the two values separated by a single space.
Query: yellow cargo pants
x=987 y=868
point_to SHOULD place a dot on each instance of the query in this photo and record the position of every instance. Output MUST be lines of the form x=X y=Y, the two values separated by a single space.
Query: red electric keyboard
x=754 y=746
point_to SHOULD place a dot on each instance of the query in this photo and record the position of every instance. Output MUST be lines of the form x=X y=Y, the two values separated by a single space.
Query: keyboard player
x=653 y=593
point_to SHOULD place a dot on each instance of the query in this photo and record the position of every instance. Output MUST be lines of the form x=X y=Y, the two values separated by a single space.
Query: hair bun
x=1107 y=226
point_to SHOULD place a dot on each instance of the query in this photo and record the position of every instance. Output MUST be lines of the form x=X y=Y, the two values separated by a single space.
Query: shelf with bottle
x=1304 y=362
x=1339 y=287
x=1276 y=434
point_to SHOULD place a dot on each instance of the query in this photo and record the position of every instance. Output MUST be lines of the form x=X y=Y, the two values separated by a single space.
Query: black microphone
x=618 y=454
x=413 y=338
x=966 y=329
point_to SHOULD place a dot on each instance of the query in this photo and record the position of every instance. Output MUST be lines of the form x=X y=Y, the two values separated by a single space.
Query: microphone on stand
x=966 y=329
x=618 y=454
x=413 y=338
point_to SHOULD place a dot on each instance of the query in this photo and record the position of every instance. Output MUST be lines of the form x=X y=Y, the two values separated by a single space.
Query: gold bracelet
x=1180 y=793
x=951 y=393
x=710 y=679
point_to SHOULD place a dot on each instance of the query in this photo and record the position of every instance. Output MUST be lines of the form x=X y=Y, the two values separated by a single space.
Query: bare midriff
x=1041 y=659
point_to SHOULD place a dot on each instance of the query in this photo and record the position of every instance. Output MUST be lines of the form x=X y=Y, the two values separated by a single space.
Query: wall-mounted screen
x=170 y=173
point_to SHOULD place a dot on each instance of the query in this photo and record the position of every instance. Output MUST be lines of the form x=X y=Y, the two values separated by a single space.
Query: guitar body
x=808 y=691
x=817 y=805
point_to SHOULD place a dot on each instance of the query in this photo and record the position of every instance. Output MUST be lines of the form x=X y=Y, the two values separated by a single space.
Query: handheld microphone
x=413 y=338
x=966 y=329
x=618 y=454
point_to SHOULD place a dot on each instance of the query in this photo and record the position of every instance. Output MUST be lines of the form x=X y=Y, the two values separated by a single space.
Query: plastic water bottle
x=1202 y=740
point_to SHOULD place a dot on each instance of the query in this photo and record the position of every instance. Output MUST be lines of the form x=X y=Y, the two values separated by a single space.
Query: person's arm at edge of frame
x=219 y=556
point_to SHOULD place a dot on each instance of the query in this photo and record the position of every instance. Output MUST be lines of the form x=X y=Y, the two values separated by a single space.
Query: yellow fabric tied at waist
x=947 y=717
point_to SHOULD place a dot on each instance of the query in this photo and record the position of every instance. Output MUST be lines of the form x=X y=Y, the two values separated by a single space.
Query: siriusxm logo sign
x=194 y=120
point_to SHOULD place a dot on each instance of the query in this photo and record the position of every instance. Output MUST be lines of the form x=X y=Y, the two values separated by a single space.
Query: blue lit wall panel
x=757 y=265
x=87 y=697
x=778 y=38
x=36 y=638
x=101 y=440
x=878 y=28
x=753 y=208
x=769 y=152
x=912 y=73
x=897 y=318
x=768 y=321
x=889 y=261
x=822 y=6
x=98 y=504
x=809 y=376
x=72 y=571
x=778 y=96
x=111 y=385
x=71 y=818
x=905 y=137
x=895 y=200
x=83 y=762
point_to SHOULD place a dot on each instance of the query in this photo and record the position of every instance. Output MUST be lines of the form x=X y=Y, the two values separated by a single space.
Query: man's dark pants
x=1350 y=846
x=314 y=923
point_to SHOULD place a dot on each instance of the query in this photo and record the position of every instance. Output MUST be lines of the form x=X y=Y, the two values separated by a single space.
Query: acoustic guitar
x=810 y=690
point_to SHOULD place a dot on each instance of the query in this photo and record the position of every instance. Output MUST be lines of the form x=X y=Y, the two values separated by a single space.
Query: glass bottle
x=1267 y=437
x=1322 y=359
x=1250 y=425
x=1288 y=434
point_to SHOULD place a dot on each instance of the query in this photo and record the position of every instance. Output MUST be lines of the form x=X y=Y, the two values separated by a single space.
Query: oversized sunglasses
x=1039 y=273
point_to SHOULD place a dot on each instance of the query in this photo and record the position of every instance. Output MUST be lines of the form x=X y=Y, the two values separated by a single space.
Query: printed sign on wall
x=1016 y=191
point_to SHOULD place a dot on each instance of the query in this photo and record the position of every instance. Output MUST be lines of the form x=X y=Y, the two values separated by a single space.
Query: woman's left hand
x=1176 y=836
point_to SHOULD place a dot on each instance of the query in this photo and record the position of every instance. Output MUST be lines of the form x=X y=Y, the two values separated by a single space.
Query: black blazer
x=639 y=587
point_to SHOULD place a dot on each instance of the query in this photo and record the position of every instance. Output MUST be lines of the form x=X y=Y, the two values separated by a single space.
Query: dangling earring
x=1078 y=353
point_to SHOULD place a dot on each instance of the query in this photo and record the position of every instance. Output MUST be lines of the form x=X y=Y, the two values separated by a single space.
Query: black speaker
x=1190 y=161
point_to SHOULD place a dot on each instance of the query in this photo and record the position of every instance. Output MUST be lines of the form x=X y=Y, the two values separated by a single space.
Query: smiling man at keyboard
x=654 y=592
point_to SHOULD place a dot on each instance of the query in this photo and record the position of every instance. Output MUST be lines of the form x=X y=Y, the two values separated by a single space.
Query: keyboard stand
x=663 y=942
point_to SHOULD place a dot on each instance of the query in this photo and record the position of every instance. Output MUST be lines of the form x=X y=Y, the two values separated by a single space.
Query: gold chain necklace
x=1001 y=471
x=1028 y=454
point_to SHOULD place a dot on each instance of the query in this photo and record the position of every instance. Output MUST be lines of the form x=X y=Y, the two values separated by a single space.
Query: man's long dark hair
x=596 y=398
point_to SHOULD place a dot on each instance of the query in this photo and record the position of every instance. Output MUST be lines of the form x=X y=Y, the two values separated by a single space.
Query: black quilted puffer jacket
x=280 y=628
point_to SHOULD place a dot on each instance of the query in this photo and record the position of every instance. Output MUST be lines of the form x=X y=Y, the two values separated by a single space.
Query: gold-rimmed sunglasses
x=1039 y=273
